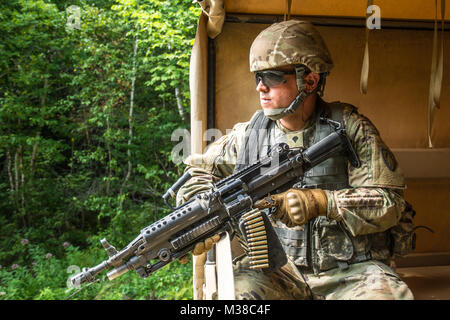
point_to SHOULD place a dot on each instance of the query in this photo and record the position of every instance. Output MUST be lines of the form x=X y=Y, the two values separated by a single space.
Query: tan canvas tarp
x=399 y=9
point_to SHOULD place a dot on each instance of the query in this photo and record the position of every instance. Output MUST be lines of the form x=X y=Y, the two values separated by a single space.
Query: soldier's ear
x=312 y=81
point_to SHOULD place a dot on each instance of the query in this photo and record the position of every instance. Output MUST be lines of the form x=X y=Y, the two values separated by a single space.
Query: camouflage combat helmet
x=295 y=43
x=290 y=42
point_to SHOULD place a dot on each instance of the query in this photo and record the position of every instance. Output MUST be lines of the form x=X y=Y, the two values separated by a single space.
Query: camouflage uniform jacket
x=371 y=204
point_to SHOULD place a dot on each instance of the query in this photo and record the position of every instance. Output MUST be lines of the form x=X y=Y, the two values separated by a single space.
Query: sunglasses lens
x=270 y=78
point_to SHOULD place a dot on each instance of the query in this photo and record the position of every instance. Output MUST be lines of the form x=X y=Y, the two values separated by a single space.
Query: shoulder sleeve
x=216 y=162
x=220 y=156
x=379 y=168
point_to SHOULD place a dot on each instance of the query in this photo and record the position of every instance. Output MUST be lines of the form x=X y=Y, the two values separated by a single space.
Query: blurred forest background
x=91 y=91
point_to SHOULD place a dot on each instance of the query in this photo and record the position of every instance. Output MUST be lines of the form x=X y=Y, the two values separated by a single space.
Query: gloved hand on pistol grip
x=295 y=207
x=201 y=247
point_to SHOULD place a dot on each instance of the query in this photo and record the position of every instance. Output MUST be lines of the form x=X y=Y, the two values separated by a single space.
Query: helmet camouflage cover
x=290 y=42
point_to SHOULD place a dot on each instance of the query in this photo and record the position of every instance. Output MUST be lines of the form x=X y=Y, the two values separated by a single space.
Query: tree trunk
x=9 y=168
x=33 y=155
x=180 y=104
x=16 y=170
x=38 y=134
x=108 y=147
x=130 y=119
x=22 y=184
x=19 y=182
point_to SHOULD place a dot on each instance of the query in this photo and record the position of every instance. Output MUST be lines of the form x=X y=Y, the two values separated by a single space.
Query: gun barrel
x=88 y=275
x=117 y=272
x=79 y=279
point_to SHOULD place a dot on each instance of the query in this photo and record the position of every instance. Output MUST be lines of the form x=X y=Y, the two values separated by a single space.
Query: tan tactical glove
x=296 y=206
x=200 y=248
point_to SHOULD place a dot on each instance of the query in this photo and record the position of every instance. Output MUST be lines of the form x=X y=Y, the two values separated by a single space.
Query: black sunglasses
x=271 y=78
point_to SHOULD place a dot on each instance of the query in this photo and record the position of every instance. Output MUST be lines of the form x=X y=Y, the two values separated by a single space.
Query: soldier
x=334 y=224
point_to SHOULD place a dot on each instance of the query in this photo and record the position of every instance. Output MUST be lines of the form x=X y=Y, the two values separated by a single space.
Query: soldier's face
x=278 y=96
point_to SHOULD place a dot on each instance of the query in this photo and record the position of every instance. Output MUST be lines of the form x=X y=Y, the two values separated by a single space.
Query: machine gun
x=227 y=207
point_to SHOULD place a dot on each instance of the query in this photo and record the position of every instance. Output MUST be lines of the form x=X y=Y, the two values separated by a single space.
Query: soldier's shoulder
x=349 y=112
x=354 y=121
x=345 y=109
x=240 y=128
x=348 y=107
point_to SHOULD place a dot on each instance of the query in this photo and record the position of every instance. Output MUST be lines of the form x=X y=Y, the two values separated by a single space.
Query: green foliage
x=46 y=278
x=87 y=113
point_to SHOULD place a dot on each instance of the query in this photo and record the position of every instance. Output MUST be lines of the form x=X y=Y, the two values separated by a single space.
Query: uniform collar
x=320 y=105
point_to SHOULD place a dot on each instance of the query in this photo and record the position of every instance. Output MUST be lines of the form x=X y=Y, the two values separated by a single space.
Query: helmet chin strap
x=279 y=113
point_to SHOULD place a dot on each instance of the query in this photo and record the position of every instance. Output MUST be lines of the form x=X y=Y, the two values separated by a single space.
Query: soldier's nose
x=261 y=87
